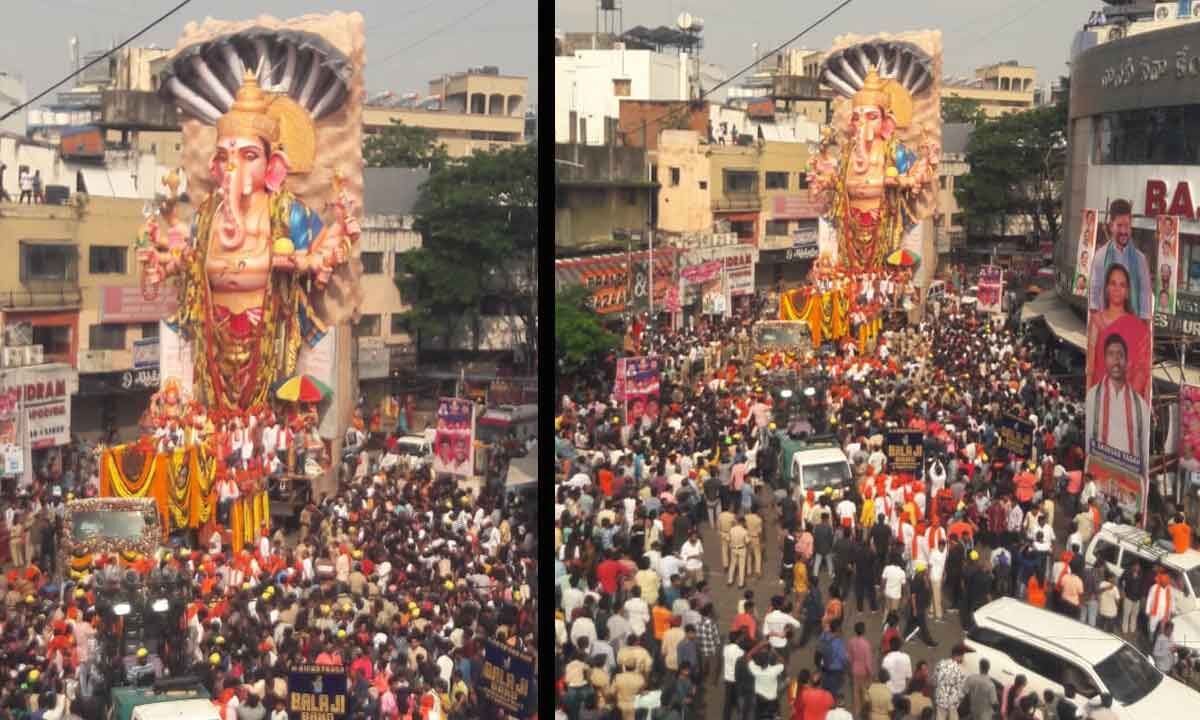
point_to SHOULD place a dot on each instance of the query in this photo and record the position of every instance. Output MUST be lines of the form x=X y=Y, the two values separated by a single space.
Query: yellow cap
x=341 y=634
x=416 y=612
x=347 y=607
x=245 y=586
x=215 y=658
x=920 y=567
x=29 y=599
x=79 y=593
x=325 y=609
x=266 y=595
x=449 y=584
x=220 y=639
x=974 y=554
x=357 y=554
x=34 y=675
x=770 y=426
x=517 y=595
x=142 y=652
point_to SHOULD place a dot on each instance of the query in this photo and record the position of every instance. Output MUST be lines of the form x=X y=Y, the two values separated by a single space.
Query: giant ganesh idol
x=257 y=257
x=262 y=259
x=875 y=170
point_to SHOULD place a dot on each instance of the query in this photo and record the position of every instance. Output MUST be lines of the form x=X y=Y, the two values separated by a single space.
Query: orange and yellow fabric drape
x=827 y=314
x=182 y=484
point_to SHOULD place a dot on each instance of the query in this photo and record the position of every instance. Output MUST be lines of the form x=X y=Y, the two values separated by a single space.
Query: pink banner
x=641 y=389
x=126 y=305
x=1189 y=428
x=453 y=443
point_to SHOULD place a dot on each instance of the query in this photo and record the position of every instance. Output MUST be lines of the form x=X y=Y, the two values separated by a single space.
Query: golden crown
x=873 y=92
x=249 y=116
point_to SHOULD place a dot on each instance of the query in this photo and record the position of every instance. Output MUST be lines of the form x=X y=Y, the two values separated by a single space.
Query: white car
x=819 y=468
x=414 y=451
x=1051 y=650
x=1119 y=546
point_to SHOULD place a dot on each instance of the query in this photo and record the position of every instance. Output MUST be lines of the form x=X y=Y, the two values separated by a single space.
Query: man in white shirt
x=692 y=554
x=775 y=624
x=899 y=667
x=893 y=584
x=937 y=571
x=730 y=655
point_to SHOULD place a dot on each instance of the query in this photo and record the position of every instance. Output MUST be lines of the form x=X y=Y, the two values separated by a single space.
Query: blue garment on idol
x=1141 y=290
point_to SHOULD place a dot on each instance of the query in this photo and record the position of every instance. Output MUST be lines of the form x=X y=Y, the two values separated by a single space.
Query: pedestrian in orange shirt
x=1181 y=534
x=1036 y=593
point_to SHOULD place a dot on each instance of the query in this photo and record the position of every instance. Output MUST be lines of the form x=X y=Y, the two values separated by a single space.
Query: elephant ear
x=278 y=167
x=888 y=128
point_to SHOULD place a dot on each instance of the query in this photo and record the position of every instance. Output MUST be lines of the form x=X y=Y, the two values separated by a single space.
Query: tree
x=1017 y=165
x=579 y=337
x=961 y=110
x=405 y=146
x=478 y=219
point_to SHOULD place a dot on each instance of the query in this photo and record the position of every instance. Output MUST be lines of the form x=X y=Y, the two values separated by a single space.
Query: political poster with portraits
x=1166 y=278
x=990 y=289
x=10 y=421
x=1119 y=363
x=642 y=380
x=619 y=381
x=706 y=283
x=454 y=437
x=1086 y=250
x=1189 y=430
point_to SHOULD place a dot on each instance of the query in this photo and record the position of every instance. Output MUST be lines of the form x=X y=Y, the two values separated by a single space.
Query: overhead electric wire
x=128 y=40
x=438 y=31
x=816 y=23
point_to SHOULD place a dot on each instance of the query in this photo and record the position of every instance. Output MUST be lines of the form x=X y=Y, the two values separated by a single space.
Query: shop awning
x=1059 y=316
x=1037 y=307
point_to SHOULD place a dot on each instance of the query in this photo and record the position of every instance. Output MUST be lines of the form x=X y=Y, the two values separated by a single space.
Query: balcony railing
x=66 y=296
x=737 y=201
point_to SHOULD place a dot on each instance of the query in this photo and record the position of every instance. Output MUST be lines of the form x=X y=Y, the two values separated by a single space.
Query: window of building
x=399 y=325
x=674 y=177
x=367 y=326
x=631 y=197
x=654 y=172
x=741 y=181
x=703 y=184
x=149 y=330
x=54 y=339
x=106 y=336
x=1161 y=135
x=372 y=263
x=942 y=182
x=622 y=87
x=106 y=259
x=493 y=305
x=777 y=181
x=49 y=262
x=560 y=198
x=801 y=180
x=777 y=227
x=956 y=219
x=743 y=228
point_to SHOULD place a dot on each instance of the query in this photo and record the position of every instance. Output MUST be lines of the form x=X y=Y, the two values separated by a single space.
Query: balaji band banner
x=1016 y=436
x=508 y=679
x=317 y=692
x=991 y=288
x=1086 y=250
x=1119 y=359
x=905 y=450
x=1166 y=280
x=642 y=377
x=453 y=438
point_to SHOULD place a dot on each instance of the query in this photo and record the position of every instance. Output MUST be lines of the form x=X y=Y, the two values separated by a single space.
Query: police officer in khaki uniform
x=754 y=526
x=738 y=538
x=16 y=541
x=725 y=522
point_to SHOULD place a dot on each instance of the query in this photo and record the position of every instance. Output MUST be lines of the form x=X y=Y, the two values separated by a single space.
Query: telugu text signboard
x=905 y=450
x=317 y=692
x=508 y=679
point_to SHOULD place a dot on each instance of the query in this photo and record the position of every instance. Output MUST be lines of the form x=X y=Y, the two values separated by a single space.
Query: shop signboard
x=46 y=401
x=145 y=353
x=128 y=305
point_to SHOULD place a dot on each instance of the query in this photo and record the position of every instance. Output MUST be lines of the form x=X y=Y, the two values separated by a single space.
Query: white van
x=819 y=468
x=1051 y=650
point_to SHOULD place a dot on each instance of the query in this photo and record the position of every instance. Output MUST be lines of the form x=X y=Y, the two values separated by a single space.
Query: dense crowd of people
x=398 y=576
x=638 y=632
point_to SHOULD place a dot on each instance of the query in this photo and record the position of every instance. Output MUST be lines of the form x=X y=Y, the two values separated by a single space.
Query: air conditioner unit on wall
x=1162 y=12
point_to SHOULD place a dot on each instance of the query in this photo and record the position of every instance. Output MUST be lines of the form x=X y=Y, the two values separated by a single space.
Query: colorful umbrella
x=903 y=258
x=303 y=388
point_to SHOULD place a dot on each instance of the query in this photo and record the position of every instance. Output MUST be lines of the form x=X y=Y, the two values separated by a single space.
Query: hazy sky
x=34 y=39
x=974 y=32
